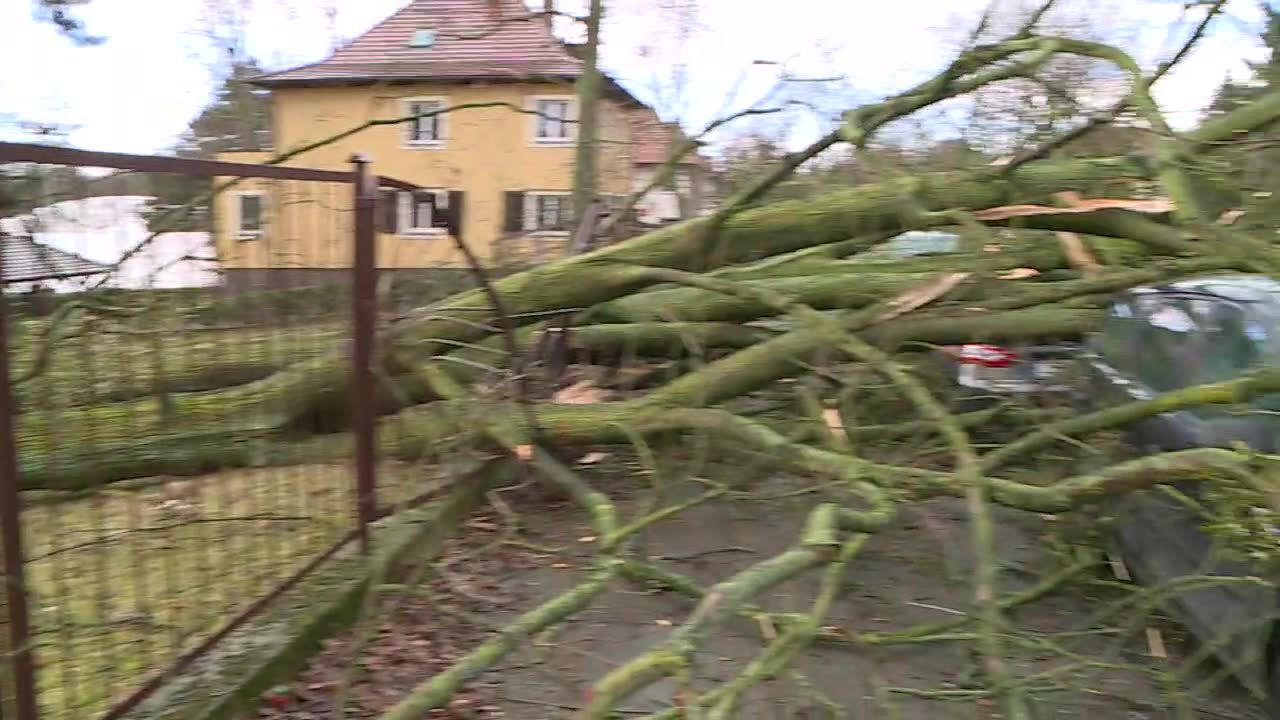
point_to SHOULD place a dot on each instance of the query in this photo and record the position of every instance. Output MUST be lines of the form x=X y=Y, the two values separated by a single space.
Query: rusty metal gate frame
x=363 y=410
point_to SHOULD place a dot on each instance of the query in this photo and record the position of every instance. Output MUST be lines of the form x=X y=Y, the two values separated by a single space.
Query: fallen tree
x=753 y=294
x=317 y=389
x=869 y=309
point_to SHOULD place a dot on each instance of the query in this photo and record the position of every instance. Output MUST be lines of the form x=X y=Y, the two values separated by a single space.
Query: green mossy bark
x=1260 y=382
x=52 y=459
x=754 y=234
x=822 y=292
x=306 y=395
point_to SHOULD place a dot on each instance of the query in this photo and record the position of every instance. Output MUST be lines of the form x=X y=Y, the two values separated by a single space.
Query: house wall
x=687 y=194
x=487 y=152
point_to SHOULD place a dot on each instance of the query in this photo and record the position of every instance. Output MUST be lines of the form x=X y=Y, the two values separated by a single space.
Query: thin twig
x=1110 y=115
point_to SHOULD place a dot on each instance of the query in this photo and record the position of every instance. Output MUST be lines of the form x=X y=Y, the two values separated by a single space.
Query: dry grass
x=118 y=363
x=124 y=581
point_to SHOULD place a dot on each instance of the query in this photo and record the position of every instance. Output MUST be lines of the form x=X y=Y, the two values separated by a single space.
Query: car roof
x=1238 y=287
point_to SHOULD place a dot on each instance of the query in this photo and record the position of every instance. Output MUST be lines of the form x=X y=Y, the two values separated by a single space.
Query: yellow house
x=497 y=168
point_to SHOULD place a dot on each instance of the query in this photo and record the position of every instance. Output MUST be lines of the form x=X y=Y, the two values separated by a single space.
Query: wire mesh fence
x=178 y=461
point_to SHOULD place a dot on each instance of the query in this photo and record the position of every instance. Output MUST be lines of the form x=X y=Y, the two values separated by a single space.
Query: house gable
x=445 y=39
x=485 y=58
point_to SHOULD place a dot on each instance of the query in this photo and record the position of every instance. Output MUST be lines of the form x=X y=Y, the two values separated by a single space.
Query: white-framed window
x=548 y=212
x=422 y=212
x=250 y=214
x=555 y=119
x=423 y=130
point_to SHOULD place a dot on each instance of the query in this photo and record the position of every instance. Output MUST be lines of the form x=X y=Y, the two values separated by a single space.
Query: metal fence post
x=21 y=680
x=364 y=301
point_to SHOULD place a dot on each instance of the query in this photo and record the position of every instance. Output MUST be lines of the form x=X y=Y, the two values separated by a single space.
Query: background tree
x=239 y=118
x=1248 y=178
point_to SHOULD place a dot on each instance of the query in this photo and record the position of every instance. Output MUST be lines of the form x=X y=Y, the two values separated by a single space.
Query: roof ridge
x=504 y=35
x=273 y=73
x=410 y=6
x=348 y=43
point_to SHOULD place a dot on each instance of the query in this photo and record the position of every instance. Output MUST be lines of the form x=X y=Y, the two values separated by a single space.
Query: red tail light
x=992 y=356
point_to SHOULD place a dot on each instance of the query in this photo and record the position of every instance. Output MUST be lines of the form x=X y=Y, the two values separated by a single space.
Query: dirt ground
x=913 y=572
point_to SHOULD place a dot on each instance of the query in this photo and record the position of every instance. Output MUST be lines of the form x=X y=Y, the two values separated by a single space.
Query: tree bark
x=589 y=85
x=313 y=393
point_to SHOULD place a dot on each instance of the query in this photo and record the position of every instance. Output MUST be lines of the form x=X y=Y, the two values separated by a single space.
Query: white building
x=110 y=232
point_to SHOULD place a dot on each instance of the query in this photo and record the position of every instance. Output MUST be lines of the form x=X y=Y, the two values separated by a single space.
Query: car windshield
x=1265 y=328
x=1185 y=340
x=1262 y=328
x=1173 y=340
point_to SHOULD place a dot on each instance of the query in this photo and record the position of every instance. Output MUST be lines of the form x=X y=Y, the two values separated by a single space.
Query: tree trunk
x=589 y=86
x=312 y=395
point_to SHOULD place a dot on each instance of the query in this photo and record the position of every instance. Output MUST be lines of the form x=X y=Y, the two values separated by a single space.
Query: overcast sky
x=137 y=91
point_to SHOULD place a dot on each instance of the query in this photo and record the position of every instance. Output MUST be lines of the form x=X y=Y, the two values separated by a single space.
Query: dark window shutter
x=388 y=211
x=514 y=212
x=455 y=213
x=441 y=212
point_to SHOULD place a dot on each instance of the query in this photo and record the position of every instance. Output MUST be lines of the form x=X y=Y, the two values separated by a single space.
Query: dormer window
x=422 y=38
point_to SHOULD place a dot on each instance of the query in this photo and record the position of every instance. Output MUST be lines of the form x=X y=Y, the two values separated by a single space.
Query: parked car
x=1156 y=339
x=986 y=373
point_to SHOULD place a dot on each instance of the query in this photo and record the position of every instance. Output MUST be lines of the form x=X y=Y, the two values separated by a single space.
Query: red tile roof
x=652 y=140
x=474 y=39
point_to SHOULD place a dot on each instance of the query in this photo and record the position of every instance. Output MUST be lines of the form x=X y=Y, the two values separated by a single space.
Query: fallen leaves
x=414 y=641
